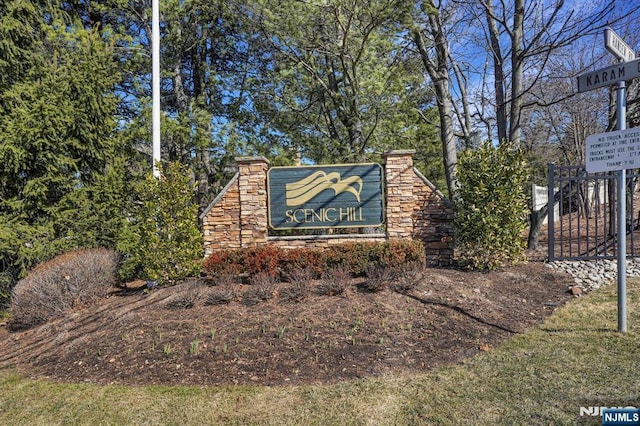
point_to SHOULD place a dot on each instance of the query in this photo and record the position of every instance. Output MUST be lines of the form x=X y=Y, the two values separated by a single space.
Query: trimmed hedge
x=355 y=258
x=491 y=206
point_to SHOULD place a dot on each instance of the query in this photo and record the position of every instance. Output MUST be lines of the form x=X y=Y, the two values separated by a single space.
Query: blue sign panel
x=340 y=196
x=621 y=416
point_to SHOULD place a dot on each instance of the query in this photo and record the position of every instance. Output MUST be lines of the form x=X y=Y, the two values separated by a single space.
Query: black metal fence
x=583 y=223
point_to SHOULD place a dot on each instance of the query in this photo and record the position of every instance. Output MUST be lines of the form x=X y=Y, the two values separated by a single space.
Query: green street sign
x=336 y=196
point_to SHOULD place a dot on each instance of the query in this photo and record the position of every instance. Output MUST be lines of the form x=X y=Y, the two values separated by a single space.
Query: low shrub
x=310 y=260
x=302 y=276
x=292 y=292
x=265 y=259
x=408 y=276
x=254 y=295
x=221 y=295
x=263 y=279
x=262 y=287
x=299 y=283
x=333 y=282
x=223 y=263
x=187 y=296
x=398 y=253
x=69 y=281
x=250 y=261
x=354 y=258
x=226 y=279
x=378 y=278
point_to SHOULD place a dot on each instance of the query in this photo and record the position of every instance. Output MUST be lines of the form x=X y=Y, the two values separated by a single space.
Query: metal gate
x=583 y=225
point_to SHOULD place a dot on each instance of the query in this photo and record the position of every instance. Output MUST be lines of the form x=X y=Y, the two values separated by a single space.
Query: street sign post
x=609 y=76
x=617 y=46
x=615 y=150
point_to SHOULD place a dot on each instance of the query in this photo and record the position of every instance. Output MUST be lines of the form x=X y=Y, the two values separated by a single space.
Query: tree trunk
x=439 y=74
x=517 y=66
x=535 y=226
x=498 y=70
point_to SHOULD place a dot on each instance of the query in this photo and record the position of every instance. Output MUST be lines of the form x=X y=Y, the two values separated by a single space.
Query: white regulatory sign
x=612 y=151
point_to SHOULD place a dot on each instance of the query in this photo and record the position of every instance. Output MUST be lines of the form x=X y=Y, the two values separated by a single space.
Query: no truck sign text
x=613 y=151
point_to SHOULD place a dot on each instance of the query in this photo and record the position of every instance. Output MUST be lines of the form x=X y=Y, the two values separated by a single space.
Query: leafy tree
x=20 y=31
x=491 y=206
x=210 y=57
x=161 y=241
x=233 y=85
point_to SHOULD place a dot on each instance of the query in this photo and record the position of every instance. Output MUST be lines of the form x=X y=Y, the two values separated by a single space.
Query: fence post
x=551 y=204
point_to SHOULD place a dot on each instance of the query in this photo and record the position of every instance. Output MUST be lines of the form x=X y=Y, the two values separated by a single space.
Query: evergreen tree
x=57 y=123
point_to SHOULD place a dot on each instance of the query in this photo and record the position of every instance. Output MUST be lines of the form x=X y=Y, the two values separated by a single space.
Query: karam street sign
x=616 y=45
x=613 y=151
x=609 y=75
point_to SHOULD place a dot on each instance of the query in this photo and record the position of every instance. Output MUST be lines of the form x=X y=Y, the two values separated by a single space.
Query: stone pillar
x=399 y=178
x=252 y=183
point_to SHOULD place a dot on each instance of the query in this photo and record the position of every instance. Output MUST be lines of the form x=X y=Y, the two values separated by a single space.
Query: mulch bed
x=138 y=337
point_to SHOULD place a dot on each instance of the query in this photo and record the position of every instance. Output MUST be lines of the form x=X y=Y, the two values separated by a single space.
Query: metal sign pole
x=621 y=98
x=627 y=69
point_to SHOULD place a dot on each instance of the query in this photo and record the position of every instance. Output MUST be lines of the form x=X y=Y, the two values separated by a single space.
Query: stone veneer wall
x=237 y=218
x=432 y=221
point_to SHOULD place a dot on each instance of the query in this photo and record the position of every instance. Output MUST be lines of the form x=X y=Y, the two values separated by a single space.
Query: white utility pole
x=155 y=85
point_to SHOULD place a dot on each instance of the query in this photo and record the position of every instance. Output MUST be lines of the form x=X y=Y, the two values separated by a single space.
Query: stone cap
x=257 y=159
x=399 y=152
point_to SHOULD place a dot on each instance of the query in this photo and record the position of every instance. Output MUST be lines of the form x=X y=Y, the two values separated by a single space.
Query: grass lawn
x=575 y=358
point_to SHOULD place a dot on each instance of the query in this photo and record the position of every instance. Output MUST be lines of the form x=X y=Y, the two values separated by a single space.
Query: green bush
x=162 y=241
x=491 y=206
x=69 y=281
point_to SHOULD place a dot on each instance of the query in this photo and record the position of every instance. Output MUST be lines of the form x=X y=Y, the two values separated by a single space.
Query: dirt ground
x=169 y=336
